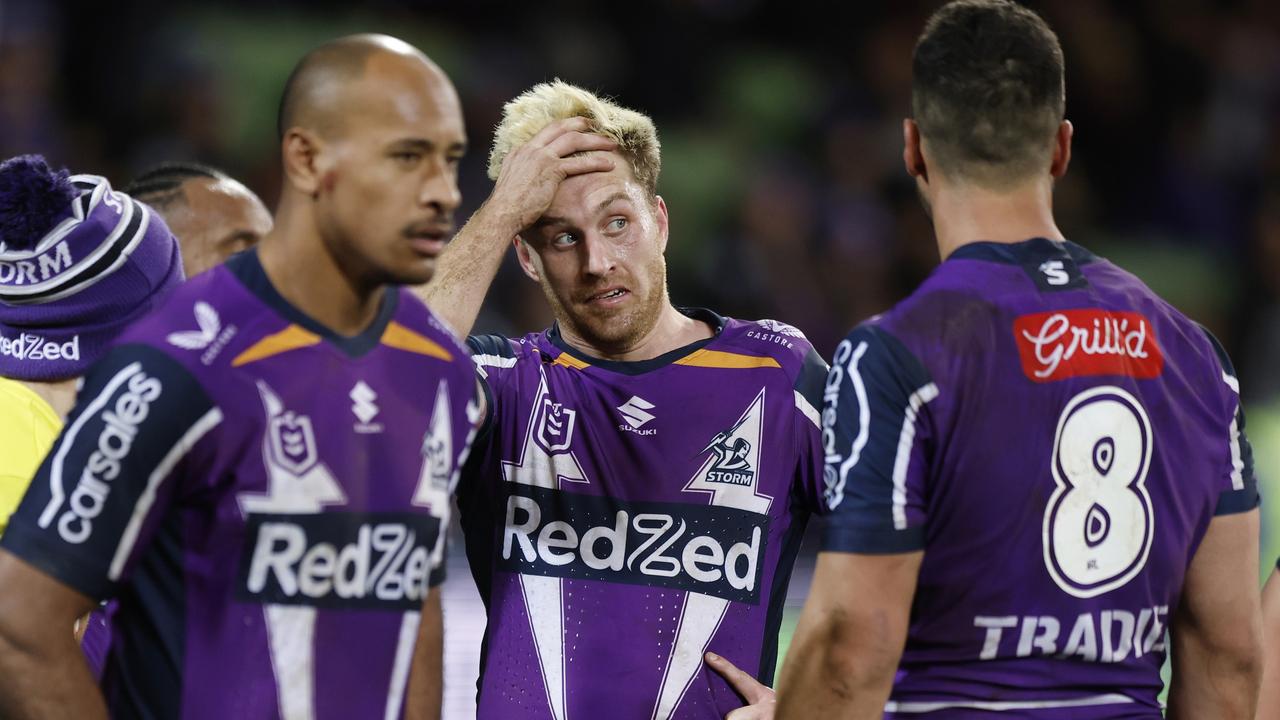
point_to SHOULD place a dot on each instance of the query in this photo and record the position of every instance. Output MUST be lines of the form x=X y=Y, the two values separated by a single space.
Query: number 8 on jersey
x=1099 y=523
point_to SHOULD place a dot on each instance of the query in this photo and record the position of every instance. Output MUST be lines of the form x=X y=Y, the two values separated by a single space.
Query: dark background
x=781 y=131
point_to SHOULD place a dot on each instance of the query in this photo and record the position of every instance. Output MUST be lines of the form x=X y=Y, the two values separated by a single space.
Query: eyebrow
x=546 y=220
x=424 y=145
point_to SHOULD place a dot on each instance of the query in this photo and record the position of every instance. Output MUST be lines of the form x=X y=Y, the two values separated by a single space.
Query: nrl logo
x=554 y=423
x=291 y=439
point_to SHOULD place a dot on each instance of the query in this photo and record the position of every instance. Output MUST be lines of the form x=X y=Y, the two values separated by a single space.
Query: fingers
x=570 y=143
x=589 y=163
x=746 y=685
x=549 y=133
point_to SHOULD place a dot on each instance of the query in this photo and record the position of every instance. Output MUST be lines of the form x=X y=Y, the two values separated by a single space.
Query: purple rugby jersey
x=622 y=518
x=1056 y=439
x=264 y=499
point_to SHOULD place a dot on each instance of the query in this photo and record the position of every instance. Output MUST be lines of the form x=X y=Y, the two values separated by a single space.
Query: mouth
x=608 y=297
x=429 y=241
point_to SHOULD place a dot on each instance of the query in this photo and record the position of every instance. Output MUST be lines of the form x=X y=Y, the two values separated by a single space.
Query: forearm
x=831 y=672
x=47 y=680
x=468 y=266
x=425 y=693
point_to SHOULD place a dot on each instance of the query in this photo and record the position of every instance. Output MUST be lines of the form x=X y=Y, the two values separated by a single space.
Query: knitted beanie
x=78 y=263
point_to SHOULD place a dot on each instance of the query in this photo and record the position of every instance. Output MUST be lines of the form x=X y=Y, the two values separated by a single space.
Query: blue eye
x=617 y=224
x=563 y=240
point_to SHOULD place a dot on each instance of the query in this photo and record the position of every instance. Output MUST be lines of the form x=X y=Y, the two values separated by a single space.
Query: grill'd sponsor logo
x=338 y=559
x=716 y=551
x=1092 y=341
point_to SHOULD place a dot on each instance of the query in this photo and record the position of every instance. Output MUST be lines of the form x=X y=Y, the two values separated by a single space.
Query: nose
x=599 y=255
x=440 y=188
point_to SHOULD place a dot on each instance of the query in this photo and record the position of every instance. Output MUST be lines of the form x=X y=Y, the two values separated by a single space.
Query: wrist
x=499 y=218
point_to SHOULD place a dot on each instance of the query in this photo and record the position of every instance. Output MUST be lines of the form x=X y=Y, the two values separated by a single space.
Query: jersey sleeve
x=808 y=389
x=1236 y=483
x=99 y=494
x=494 y=358
x=876 y=433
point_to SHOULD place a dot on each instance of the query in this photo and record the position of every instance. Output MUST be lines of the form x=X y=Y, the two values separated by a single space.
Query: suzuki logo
x=365 y=408
x=634 y=411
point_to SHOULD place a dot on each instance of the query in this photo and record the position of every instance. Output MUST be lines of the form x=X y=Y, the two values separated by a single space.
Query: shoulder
x=872 y=350
x=785 y=345
x=203 y=313
x=415 y=322
x=501 y=352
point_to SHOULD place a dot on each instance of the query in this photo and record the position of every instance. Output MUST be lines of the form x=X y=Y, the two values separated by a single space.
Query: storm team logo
x=732 y=463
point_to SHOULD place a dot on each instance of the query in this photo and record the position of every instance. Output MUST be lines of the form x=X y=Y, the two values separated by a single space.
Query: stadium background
x=780 y=125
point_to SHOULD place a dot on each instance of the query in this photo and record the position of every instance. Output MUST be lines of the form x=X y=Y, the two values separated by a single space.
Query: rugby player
x=213 y=215
x=645 y=471
x=1035 y=466
x=247 y=472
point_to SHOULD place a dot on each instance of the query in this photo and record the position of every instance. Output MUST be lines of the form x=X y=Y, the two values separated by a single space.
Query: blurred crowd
x=781 y=129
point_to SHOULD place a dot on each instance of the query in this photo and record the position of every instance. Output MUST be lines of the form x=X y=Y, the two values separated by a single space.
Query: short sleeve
x=1236 y=483
x=494 y=358
x=808 y=390
x=97 y=496
x=876 y=434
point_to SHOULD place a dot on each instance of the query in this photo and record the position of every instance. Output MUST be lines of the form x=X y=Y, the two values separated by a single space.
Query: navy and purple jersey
x=1056 y=439
x=621 y=518
x=264 y=499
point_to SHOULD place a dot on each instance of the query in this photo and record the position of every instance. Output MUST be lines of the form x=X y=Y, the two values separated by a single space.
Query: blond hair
x=546 y=103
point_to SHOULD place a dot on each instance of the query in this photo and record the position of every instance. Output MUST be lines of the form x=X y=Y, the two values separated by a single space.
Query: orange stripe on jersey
x=290 y=338
x=718 y=359
x=402 y=338
x=569 y=361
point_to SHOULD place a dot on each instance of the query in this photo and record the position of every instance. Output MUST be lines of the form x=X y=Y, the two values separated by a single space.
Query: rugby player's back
x=1056 y=438
x=265 y=499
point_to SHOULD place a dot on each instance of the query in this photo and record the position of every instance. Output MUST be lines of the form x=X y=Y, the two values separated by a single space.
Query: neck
x=60 y=395
x=966 y=213
x=673 y=330
x=305 y=272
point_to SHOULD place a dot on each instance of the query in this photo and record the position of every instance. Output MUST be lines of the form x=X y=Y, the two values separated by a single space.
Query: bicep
x=851 y=633
x=1220 y=609
x=868 y=595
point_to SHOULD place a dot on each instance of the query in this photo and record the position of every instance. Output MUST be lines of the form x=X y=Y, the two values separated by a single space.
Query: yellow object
x=290 y=338
x=28 y=427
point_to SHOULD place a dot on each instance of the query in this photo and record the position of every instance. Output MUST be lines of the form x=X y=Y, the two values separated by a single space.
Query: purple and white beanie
x=78 y=263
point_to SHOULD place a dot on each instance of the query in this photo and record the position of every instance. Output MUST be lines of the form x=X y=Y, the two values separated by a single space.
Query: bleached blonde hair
x=546 y=103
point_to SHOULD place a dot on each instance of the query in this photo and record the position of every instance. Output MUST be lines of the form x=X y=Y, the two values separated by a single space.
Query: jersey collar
x=1022 y=253
x=247 y=268
x=637 y=367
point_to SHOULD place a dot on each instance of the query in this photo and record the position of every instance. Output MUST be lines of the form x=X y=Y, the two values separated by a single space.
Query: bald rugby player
x=273 y=553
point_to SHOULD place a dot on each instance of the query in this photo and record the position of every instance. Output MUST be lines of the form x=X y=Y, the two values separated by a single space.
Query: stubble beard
x=614 y=333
